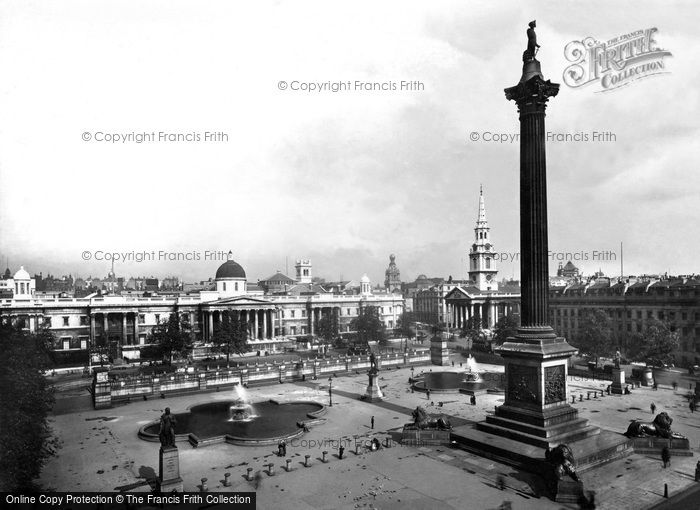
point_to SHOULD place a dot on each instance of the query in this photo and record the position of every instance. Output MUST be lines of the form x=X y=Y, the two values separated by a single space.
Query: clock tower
x=482 y=261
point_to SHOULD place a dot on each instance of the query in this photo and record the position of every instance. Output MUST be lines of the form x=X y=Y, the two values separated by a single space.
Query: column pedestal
x=373 y=392
x=618 y=382
x=169 y=470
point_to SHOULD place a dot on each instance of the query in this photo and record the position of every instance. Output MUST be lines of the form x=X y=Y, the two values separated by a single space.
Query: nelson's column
x=535 y=424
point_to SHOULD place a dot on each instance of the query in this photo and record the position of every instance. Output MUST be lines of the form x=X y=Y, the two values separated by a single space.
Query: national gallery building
x=123 y=322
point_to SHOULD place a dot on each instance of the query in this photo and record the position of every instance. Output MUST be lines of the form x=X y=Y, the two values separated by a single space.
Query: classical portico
x=261 y=317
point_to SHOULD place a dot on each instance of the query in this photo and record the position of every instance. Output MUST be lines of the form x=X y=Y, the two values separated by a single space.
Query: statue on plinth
x=422 y=420
x=167 y=429
x=660 y=427
x=532 y=45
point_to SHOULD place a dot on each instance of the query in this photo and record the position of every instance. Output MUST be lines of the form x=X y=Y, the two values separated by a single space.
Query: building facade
x=632 y=304
x=122 y=323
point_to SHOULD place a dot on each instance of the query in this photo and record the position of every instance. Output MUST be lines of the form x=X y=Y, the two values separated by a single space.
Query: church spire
x=481 y=220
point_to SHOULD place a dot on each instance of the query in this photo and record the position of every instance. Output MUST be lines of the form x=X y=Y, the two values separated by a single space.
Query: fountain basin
x=471 y=383
x=211 y=423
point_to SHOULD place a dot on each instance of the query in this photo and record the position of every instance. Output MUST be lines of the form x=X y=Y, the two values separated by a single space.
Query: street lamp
x=330 y=391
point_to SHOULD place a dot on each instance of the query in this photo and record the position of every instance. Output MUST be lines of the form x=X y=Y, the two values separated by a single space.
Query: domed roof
x=230 y=269
x=22 y=274
x=364 y=279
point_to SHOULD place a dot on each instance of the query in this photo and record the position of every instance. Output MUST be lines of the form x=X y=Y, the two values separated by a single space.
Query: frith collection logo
x=615 y=63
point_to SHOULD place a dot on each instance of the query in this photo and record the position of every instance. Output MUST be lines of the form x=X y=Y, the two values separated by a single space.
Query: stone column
x=123 y=328
x=92 y=329
x=105 y=335
x=311 y=317
x=256 y=334
x=264 y=325
x=210 y=325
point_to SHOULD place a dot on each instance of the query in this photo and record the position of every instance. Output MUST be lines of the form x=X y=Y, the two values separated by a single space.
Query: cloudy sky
x=342 y=178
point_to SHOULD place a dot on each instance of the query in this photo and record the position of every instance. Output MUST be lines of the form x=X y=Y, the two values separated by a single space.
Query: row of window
x=638 y=314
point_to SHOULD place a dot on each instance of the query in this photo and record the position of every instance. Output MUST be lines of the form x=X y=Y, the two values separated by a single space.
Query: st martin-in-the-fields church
x=480 y=297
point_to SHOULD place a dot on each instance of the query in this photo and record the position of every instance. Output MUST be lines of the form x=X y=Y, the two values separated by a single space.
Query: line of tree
x=172 y=336
x=595 y=335
x=329 y=329
x=231 y=336
x=369 y=326
x=26 y=399
x=654 y=345
x=506 y=327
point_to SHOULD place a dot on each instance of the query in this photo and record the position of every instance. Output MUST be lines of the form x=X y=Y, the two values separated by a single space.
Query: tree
x=172 y=336
x=405 y=325
x=505 y=328
x=231 y=336
x=655 y=344
x=369 y=326
x=473 y=332
x=328 y=328
x=26 y=399
x=595 y=335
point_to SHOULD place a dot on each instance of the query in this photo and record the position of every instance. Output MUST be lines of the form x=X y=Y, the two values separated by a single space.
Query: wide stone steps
x=535 y=430
x=542 y=442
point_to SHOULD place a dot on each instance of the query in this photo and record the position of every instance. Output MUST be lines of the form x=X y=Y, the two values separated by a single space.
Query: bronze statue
x=532 y=45
x=562 y=460
x=167 y=429
x=422 y=420
x=373 y=363
x=660 y=427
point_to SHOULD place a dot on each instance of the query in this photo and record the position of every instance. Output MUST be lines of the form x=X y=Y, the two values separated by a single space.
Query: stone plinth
x=373 y=393
x=169 y=470
x=618 y=382
x=439 y=354
x=414 y=436
x=679 y=446
x=567 y=490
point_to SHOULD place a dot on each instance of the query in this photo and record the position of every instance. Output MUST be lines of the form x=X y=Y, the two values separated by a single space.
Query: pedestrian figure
x=427 y=393
x=453 y=363
x=284 y=448
x=627 y=390
x=340 y=451
x=653 y=408
x=675 y=385
x=371 y=422
x=666 y=456
x=655 y=386
x=473 y=400
x=257 y=480
x=692 y=406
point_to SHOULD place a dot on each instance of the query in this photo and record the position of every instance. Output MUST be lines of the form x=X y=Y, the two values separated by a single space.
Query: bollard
x=666 y=490
x=227 y=481
x=386 y=443
x=306 y=460
x=588 y=395
x=204 y=485
x=573 y=399
x=357 y=448
x=288 y=462
x=697 y=472
x=271 y=469
x=580 y=397
x=248 y=477
x=324 y=456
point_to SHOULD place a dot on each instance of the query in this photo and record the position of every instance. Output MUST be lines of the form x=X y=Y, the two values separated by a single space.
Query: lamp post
x=330 y=391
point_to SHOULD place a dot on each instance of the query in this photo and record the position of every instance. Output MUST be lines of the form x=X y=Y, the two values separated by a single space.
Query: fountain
x=241 y=409
x=473 y=381
x=241 y=422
